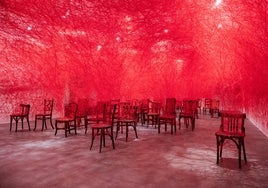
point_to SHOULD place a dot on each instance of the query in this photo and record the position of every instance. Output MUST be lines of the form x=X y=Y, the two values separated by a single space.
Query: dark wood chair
x=98 y=113
x=143 y=110
x=23 y=113
x=188 y=113
x=68 y=120
x=169 y=115
x=231 y=128
x=154 y=113
x=127 y=118
x=115 y=102
x=46 y=115
x=207 y=106
x=82 y=112
x=104 y=128
x=199 y=107
x=215 y=108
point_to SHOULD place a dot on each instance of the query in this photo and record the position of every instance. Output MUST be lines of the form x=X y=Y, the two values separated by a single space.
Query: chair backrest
x=101 y=110
x=144 y=105
x=111 y=112
x=232 y=122
x=70 y=110
x=207 y=103
x=48 y=106
x=135 y=102
x=170 y=107
x=25 y=109
x=82 y=107
x=127 y=111
x=189 y=106
x=199 y=103
x=215 y=104
x=115 y=102
x=155 y=107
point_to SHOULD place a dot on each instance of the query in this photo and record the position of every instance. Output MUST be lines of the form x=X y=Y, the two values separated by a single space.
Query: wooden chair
x=154 y=113
x=23 y=113
x=46 y=115
x=104 y=128
x=169 y=115
x=215 y=108
x=188 y=113
x=232 y=128
x=69 y=119
x=207 y=106
x=115 y=102
x=97 y=113
x=82 y=112
x=199 y=107
x=143 y=110
x=127 y=118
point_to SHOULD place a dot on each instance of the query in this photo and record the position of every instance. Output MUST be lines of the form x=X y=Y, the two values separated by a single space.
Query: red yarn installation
x=135 y=49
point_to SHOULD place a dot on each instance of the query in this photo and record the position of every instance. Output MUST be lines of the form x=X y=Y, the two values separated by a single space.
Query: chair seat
x=229 y=134
x=126 y=120
x=42 y=115
x=153 y=114
x=167 y=116
x=18 y=115
x=64 y=119
x=100 y=126
x=184 y=114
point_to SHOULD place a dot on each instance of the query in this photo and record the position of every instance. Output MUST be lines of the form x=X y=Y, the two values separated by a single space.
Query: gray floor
x=185 y=159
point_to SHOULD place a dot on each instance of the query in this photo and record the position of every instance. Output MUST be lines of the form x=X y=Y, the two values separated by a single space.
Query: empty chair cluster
x=114 y=117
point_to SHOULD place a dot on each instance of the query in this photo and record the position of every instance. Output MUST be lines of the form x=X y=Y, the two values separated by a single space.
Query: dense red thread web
x=105 y=49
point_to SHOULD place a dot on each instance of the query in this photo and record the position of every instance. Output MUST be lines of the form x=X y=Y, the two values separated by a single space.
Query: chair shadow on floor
x=231 y=164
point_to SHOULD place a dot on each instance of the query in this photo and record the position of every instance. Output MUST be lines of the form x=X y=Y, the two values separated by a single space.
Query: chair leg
x=17 y=121
x=127 y=131
x=159 y=126
x=112 y=137
x=16 y=125
x=22 y=123
x=218 y=148
x=10 y=125
x=28 y=123
x=117 y=129
x=103 y=133
x=92 y=138
x=75 y=128
x=193 y=123
x=179 y=123
x=244 y=150
x=101 y=139
x=86 y=126
x=43 y=123
x=56 y=127
x=66 y=128
x=135 y=129
x=51 y=122
x=221 y=146
x=175 y=126
x=35 y=123
x=239 y=152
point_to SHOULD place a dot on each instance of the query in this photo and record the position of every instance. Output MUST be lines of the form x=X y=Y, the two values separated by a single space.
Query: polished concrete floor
x=185 y=159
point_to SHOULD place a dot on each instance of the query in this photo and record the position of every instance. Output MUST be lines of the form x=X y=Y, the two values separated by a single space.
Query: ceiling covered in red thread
x=103 y=49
